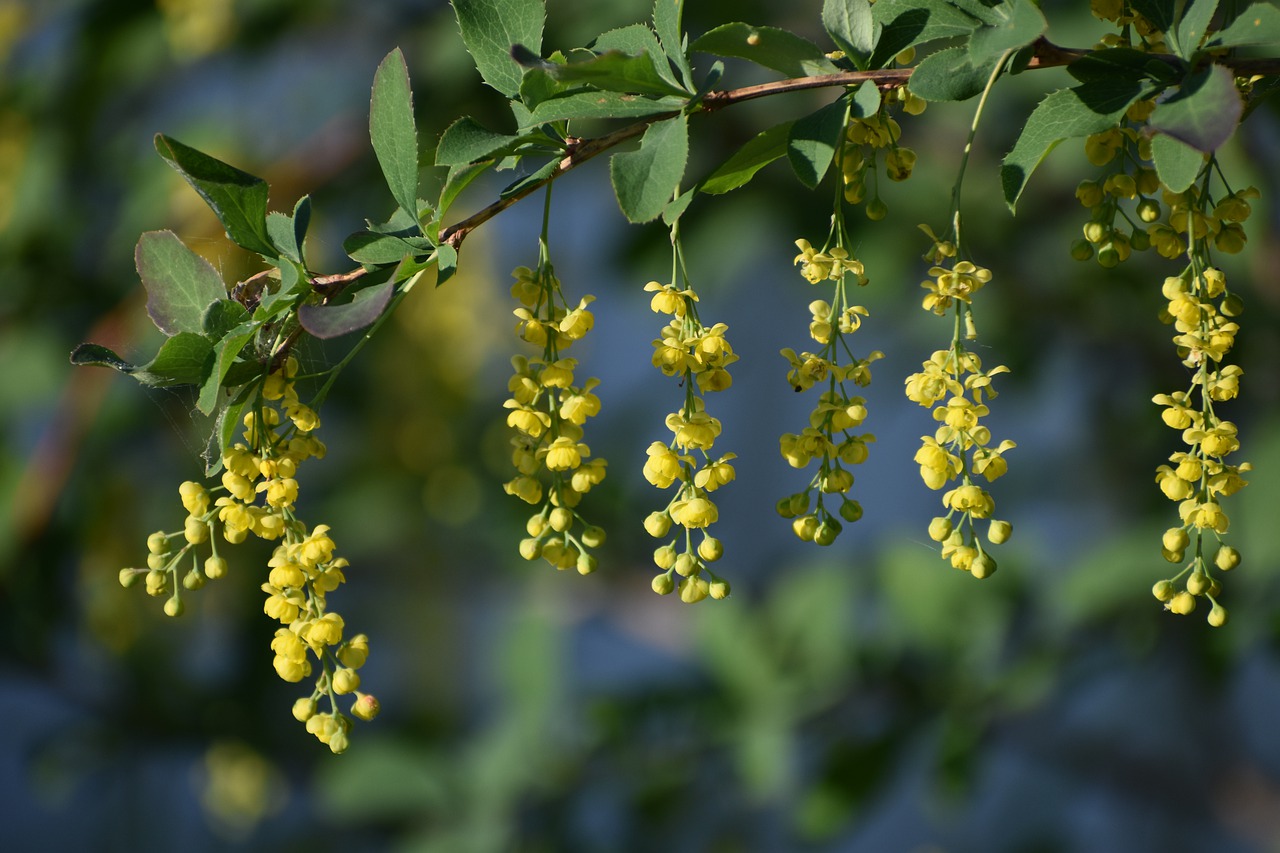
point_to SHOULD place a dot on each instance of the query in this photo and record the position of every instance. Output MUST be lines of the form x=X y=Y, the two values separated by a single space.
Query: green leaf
x=446 y=264
x=614 y=71
x=635 y=39
x=851 y=27
x=224 y=428
x=466 y=141
x=645 y=180
x=366 y=247
x=666 y=20
x=238 y=199
x=180 y=284
x=333 y=321
x=392 y=130
x=1064 y=114
x=283 y=235
x=761 y=150
x=908 y=23
x=677 y=206
x=781 y=50
x=225 y=353
x=221 y=317
x=460 y=177
x=1158 y=12
x=1122 y=63
x=489 y=30
x=96 y=355
x=1196 y=18
x=1257 y=25
x=812 y=142
x=184 y=359
x=949 y=75
x=583 y=105
x=1019 y=23
x=538 y=176
x=866 y=100
x=1204 y=112
x=1177 y=163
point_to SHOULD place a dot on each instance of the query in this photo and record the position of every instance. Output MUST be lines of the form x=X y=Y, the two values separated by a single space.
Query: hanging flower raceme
x=699 y=356
x=1202 y=310
x=548 y=408
x=955 y=386
x=829 y=439
x=256 y=496
x=862 y=143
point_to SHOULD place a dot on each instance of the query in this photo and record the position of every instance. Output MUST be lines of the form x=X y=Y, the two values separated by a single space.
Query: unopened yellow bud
x=536 y=525
x=851 y=511
x=999 y=532
x=1176 y=539
x=174 y=607
x=345 y=680
x=1227 y=558
x=586 y=564
x=711 y=549
x=939 y=529
x=806 y=527
x=158 y=543
x=130 y=577
x=686 y=565
x=215 y=567
x=1218 y=616
x=193 y=579
x=304 y=709
x=1183 y=604
x=719 y=589
x=983 y=566
x=693 y=590
x=593 y=536
x=657 y=524
x=663 y=584
x=1164 y=590
x=665 y=557
x=561 y=519
x=530 y=549
x=366 y=706
x=1198 y=583
x=827 y=532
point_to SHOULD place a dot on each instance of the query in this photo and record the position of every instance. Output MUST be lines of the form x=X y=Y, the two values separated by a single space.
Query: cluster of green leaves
x=643 y=73
x=1199 y=106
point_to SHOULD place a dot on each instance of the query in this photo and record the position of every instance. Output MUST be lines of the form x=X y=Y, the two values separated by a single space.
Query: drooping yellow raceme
x=548 y=409
x=828 y=439
x=699 y=356
x=954 y=385
x=1200 y=307
x=261 y=490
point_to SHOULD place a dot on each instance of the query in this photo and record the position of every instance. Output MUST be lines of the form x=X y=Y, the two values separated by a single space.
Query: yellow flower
x=716 y=474
x=663 y=466
x=694 y=513
x=697 y=431
x=579 y=321
x=564 y=454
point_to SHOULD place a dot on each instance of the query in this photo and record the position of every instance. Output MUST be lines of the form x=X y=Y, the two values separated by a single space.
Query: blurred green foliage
x=861 y=698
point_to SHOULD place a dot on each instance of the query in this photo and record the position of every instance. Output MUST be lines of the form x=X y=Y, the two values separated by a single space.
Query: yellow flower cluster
x=953 y=383
x=699 y=356
x=860 y=146
x=828 y=439
x=1201 y=310
x=547 y=410
x=261 y=489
